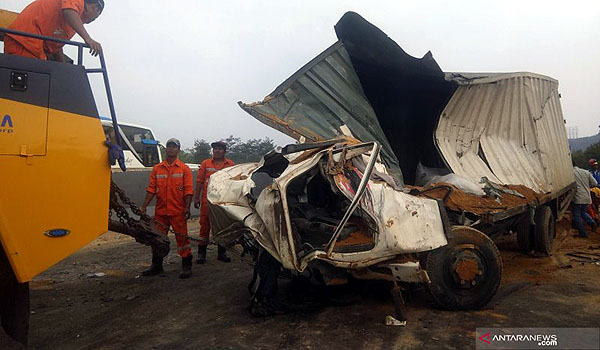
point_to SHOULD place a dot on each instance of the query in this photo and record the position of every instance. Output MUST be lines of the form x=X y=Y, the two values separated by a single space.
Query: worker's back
x=584 y=181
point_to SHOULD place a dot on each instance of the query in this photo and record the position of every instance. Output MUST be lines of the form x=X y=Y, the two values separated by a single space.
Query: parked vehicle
x=142 y=152
x=56 y=167
x=389 y=148
x=141 y=149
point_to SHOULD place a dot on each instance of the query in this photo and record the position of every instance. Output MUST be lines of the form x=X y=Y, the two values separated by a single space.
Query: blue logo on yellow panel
x=6 y=127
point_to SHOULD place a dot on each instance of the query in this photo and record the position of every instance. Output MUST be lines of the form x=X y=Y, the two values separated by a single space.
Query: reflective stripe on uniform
x=162 y=176
x=177 y=175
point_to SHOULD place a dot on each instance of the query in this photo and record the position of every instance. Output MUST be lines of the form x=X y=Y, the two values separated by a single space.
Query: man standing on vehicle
x=584 y=181
x=207 y=168
x=53 y=18
x=172 y=184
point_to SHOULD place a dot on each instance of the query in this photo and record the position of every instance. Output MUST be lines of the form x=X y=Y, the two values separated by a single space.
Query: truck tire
x=545 y=229
x=14 y=302
x=466 y=273
x=14 y=312
x=525 y=235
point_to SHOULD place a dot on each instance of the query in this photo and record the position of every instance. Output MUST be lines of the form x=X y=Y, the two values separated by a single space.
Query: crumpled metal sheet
x=405 y=223
x=508 y=128
x=324 y=100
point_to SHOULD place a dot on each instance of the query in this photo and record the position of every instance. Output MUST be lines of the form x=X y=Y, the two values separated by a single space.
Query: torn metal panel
x=357 y=197
x=409 y=272
x=405 y=223
x=508 y=128
x=324 y=100
x=402 y=223
x=230 y=210
x=275 y=236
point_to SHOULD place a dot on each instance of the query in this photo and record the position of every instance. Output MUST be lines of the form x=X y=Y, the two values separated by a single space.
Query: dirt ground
x=96 y=299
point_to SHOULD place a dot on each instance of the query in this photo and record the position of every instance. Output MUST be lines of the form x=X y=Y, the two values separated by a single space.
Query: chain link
x=144 y=229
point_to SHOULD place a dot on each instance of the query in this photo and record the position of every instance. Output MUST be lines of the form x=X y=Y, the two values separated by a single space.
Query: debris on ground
x=391 y=321
x=96 y=274
x=584 y=257
x=455 y=199
x=522 y=301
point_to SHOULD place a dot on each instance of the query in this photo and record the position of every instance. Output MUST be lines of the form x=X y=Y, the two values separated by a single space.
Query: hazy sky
x=180 y=67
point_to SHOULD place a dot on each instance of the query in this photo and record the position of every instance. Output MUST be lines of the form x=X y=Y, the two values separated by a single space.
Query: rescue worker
x=594 y=169
x=54 y=18
x=584 y=181
x=207 y=168
x=172 y=183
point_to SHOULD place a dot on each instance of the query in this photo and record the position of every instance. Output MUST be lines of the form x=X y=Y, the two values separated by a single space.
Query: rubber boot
x=222 y=255
x=156 y=267
x=201 y=254
x=186 y=267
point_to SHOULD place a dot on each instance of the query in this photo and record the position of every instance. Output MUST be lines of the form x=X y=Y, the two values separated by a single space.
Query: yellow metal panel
x=22 y=128
x=68 y=189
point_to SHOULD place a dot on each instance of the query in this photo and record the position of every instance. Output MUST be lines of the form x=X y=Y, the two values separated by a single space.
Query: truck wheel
x=14 y=312
x=466 y=273
x=14 y=302
x=525 y=236
x=544 y=230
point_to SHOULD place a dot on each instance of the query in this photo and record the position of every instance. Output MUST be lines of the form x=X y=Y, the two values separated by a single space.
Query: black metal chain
x=143 y=226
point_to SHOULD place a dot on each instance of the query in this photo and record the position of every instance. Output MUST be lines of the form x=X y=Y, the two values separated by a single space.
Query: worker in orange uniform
x=172 y=183
x=207 y=168
x=54 y=18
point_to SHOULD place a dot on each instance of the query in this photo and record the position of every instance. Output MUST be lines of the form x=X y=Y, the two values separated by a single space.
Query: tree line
x=253 y=149
x=582 y=158
x=239 y=151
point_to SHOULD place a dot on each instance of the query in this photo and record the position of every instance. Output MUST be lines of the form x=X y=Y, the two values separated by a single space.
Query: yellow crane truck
x=55 y=173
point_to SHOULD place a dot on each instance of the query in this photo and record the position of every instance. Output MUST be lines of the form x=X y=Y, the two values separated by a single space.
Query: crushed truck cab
x=296 y=208
x=457 y=159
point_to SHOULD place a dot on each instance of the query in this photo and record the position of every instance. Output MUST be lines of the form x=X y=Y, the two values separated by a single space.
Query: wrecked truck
x=380 y=183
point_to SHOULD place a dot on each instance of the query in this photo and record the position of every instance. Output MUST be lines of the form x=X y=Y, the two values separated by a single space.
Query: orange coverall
x=207 y=168
x=170 y=184
x=42 y=17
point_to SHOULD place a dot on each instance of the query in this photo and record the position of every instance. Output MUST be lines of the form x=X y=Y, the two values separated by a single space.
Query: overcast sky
x=180 y=67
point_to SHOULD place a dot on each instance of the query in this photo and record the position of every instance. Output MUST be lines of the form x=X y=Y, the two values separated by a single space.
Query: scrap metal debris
x=95 y=275
x=495 y=190
x=455 y=199
x=584 y=257
x=391 y=321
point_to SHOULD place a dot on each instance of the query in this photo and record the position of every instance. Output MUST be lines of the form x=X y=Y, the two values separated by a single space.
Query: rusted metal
x=409 y=272
x=143 y=230
x=357 y=197
x=370 y=274
x=467 y=269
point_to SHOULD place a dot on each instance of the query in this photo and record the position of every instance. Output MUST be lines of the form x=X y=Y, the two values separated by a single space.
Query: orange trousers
x=13 y=47
x=204 y=225
x=179 y=224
